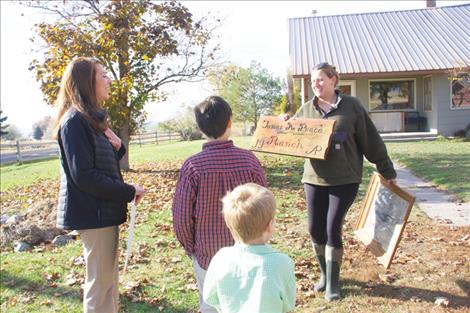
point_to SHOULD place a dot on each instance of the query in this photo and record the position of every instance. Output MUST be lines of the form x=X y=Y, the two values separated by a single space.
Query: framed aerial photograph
x=460 y=97
x=383 y=217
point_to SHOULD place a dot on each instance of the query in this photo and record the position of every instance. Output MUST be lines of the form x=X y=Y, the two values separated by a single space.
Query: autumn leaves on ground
x=430 y=272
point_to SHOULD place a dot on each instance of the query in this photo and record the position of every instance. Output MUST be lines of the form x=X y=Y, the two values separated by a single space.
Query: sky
x=250 y=30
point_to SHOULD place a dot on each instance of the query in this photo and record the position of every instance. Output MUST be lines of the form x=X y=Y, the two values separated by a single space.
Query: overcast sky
x=251 y=30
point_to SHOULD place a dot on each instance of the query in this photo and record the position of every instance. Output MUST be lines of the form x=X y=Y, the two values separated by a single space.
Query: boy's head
x=213 y=116
x=248 y=211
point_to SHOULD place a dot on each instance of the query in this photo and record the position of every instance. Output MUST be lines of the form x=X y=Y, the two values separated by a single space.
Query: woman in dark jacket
x=93 y=196
x=331 y=185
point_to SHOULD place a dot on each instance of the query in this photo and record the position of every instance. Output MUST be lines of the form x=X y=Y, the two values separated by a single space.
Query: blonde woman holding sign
x=331 y=184
x=93 y=196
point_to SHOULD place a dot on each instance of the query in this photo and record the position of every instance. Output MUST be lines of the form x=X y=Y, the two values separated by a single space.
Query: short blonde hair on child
x=247 y=210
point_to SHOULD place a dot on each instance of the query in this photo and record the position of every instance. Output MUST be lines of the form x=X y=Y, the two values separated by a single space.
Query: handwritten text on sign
x=303 y=137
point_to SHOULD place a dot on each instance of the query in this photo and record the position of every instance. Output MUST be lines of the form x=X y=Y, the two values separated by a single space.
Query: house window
x=392 y=94
x=461 y=91
x=427 y=91
x=347 y=87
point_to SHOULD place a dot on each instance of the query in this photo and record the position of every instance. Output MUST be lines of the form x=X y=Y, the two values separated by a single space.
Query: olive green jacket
x=354 y=136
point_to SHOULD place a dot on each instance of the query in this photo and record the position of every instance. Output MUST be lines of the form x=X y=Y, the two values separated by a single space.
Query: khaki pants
x=200 y=277
x=100 y=292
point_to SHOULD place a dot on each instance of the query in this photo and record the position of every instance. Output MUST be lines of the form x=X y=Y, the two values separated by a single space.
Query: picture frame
x=383 y=218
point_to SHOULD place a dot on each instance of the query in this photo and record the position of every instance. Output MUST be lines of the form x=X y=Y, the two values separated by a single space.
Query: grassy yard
x=445 y=163
x=13 y=175
x=431 y=262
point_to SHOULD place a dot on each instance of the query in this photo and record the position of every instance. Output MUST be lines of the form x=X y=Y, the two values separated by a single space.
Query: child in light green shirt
x=250 y=276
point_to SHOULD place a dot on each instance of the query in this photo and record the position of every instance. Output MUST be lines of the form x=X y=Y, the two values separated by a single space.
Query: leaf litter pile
x=430 y=271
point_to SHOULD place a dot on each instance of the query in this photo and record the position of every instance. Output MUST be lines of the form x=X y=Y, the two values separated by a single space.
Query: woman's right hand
x=139 y=193
x=284 y=116
x=113 y=139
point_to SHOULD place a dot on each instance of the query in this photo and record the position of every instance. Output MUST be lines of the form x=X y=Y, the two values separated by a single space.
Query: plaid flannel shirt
x=204 y=180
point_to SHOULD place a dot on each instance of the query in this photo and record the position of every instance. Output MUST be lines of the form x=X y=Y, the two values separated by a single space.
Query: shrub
x=185 y=125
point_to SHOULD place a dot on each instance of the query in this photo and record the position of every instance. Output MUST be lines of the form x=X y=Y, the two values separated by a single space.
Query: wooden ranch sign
x=304 y=137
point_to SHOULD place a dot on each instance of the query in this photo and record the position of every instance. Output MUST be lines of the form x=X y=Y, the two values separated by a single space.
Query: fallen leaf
x=47 y=302
x=73 y=279
x=387 y=278
x=442 y=301
x=52 y=276
x=78 y=261
x=191 y=286
x=175 y=259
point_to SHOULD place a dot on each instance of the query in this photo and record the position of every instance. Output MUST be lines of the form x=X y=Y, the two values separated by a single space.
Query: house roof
x=400 y=41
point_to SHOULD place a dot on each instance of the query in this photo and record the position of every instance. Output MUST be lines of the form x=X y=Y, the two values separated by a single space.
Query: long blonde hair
x=78 y=91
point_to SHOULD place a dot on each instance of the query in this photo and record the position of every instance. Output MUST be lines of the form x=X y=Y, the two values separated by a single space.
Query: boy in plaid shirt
x=204 y=180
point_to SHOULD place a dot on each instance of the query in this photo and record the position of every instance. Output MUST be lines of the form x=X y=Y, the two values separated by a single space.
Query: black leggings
x=327 y=207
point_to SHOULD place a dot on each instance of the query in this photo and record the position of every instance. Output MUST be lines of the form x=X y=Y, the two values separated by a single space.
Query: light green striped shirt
x=250 y=279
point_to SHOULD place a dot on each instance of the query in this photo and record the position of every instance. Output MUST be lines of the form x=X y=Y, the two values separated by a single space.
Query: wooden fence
x=23 y=149
x=156 y=137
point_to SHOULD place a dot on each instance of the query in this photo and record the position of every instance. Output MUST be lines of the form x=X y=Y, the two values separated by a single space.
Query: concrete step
x=409 y=139
x=410 y=136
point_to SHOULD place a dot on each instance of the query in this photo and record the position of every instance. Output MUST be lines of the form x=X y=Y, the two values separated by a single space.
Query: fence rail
x=155 y=137
x=20 y=150
x=12 y=146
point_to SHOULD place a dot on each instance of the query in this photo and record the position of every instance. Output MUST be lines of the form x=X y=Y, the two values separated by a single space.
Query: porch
x=399 y=121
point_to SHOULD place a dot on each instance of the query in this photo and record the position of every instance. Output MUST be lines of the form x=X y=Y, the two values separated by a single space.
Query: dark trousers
x=327 y=207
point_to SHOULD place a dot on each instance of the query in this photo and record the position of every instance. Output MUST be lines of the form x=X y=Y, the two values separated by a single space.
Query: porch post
x=304 y=89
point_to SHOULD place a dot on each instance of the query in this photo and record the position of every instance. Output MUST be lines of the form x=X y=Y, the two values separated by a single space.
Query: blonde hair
x=248 y=210
x=78 y=91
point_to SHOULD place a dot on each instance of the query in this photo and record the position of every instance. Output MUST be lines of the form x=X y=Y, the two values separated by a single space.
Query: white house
x=410 y=69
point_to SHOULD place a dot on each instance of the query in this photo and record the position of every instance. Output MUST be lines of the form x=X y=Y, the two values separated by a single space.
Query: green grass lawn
x=175 y=151
x=445 y=163
x=13 y=175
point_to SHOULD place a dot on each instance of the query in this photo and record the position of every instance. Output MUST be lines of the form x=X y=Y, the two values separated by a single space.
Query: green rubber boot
x=320 y=256
x=333 y=258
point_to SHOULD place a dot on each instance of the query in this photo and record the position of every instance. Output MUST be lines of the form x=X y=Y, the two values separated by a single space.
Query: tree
x=184 y=124
x=37 y=133
x=251 y=91
x=260 y=91
x=142 y=44
x=45 y=124
x=294 y=93
x=226 y=82
x=12 y=133
x=290 y=102
x=282 y=106
x=3 y=127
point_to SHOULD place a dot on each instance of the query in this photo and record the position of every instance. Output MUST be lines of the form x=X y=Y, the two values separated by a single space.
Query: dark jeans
x=327 y=207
